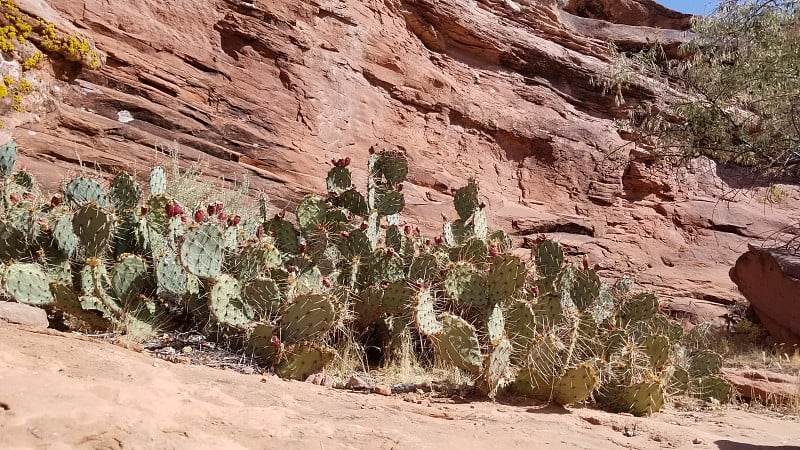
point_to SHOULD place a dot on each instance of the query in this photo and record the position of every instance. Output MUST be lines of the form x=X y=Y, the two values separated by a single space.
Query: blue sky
x=690 y=6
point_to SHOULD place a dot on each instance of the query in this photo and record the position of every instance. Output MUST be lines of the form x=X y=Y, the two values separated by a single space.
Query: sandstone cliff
x=493 y=89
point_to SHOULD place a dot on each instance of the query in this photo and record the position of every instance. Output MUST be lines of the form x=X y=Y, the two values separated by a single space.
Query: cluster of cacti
x=281 y=288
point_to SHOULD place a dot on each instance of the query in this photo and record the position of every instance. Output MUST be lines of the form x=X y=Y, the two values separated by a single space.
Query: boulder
x=21 y=314
x=770 y=280
x=764 y=386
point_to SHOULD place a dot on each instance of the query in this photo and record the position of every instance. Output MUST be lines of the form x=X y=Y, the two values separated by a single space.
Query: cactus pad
x=81 y=191
x=129 y=277
x=425 y=315
x=124 y=192
x=8 y=156
x=305 y=360
x=202 y=251
x=308 y=317
x=339 y=179
x=506 y=278
x=310 y=211
x=466 y=199
x=226 y=305
x=458 y=344
x=466 y=286
x=27 y=283
x=549 y=258
x=93 y=227
x=704 y=363
x=158 y=181
x=390 y=202
x=496 y=370
x=576 y=384
x=263 y=295
x=171 y=277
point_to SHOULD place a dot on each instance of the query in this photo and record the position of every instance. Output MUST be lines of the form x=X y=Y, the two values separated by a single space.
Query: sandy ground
x=59 y=392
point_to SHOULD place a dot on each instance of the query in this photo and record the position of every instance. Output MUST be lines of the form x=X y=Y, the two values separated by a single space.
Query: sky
x=690 y=6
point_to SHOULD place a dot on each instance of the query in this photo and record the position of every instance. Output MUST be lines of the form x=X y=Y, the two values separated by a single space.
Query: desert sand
x=60 y=391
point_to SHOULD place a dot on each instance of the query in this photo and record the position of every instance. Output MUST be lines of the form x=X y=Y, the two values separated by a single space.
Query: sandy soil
x=61 y=391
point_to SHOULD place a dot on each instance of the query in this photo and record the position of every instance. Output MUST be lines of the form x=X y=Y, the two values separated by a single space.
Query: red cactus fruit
x=494 y=251
x=199 y=215
x=407 y=230
x=399 y=187
x=184 y=219
x=301 y=248
x=345 y=234
x=275 y=341
x=439 y=240
x=27 y=195
x=211 y=209
x=364 y=226
x=222 y=217
x=346 y=161
x=14 y=197
x=56 y=200
x=326 y=282
x=260 y=231
x=237 y=219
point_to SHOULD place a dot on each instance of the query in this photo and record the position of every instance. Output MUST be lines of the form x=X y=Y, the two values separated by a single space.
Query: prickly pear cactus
x=302 y=361
x=81 y=191
x=124 y=192
x=576 y=384
x=8 y=156
x=307 y=317
x=158 y=181
x=458 y=344
x=93 y=226
x=129 y=277
x=27 y=283
x=226 y=304
x=466 y=199
x=202 y=251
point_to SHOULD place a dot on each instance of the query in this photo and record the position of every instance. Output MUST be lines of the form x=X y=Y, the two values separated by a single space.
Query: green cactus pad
x=576 y=385
x=285 y=234
x=390 y=202
x=158 y=181
x=704 y=363
x=657 y=348
x=202 y=251
x=641 y=308
x=586 y=289
x=549 y=258
x=356 y=244
x=549 y=309
x=13 y=242
x=81 y=191
x=24 y=179
x=129 y=277
x=393 y=166
x=304 y=361
x=425 y=315
x=473 y=250
x=339 y=179
x=310 y=211
x=520 y=324
x=383 y=267
x=711 y=388
x=368 y=305
x=496 y=370
x=171 y=277
x=8 y=156
x=466 y=199
x=480 y=225
x=226 y=305
x=308 y=317
x=259 y=341
x=28 y=283
x=93 y=227
x=506 y=278
x=255 y=258
x=640 y=399
x=124 y=192
x=458 y=344
x=396 y=297
x=423 y=267
x=354 y=202
x=495 y=324
x=456 y=232
x=466 y=286
x=264 y=296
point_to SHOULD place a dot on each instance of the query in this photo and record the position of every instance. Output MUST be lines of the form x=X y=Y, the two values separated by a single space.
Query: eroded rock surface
x=499 y=90
x=770 y=279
